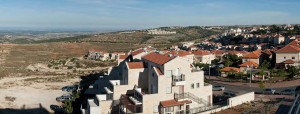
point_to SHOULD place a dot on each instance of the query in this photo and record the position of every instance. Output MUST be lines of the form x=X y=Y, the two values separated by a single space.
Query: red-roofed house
x=225 y=71
x=247 y=65
x=137 y=54
x=218 y=53
x=183 y=54
x=254 y=56
x=290 y=51
x=203 y=56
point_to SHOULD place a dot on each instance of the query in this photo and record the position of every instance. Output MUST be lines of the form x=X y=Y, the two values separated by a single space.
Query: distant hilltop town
x=160 y=32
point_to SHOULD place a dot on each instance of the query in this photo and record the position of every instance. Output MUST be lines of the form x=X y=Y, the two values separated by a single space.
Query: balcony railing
x=177 y=78
x=187 y=95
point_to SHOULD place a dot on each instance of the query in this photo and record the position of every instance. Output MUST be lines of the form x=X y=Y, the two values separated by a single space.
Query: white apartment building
x=157 y=84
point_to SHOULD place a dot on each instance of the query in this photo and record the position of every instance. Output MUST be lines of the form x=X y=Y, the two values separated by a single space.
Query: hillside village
x=143 y=74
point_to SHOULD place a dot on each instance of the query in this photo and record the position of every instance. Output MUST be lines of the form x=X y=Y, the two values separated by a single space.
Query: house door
x=181 y=89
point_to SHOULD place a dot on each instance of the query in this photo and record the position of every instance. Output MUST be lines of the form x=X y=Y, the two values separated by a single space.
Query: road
x=244 y=89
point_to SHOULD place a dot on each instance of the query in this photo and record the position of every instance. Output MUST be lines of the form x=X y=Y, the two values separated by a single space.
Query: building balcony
x=178 y=80
x=129 y=104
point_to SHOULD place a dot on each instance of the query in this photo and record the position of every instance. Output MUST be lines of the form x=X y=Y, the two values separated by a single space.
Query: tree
x=280 y=73
x=293 y=71
x=265 y=65
x=274 y=29
x=68 y=106
x=201 y=65
x=231 y=60
x=215 y=61
x=227 y=63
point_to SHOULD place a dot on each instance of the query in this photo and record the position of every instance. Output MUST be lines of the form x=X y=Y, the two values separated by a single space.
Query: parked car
x=229 y=94
x=70 y=88
x=269 y=91
x=218 y=88
x=57 y=108
x=64 y=98
x=67 y=95
x=287 y=92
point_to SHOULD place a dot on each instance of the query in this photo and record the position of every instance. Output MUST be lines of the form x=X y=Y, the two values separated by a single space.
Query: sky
x=139 y=14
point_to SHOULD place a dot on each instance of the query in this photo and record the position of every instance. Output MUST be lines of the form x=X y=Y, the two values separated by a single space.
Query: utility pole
x=209 y=67
x=251 y=74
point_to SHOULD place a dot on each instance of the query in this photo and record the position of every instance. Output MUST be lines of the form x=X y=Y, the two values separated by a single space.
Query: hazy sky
x=124 y=14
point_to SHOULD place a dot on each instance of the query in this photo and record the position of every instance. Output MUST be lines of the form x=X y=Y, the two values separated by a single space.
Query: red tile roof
x=249 y=63
x=201 y=52
x=294 y=43
x=218 y=52
x=179 y=53
x=157 y=58
x=289 y=61
x=292 y=47
x=135 y=65
x=257 y=51
x=267 y=51
x=136 y=52
x=252 y=55
x=123 y=56
x=289 y=49
x=230 y=69
x=237 y=52
x=169 y=103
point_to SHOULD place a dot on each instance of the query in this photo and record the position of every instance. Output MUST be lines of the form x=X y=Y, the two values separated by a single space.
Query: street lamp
x=250 y=73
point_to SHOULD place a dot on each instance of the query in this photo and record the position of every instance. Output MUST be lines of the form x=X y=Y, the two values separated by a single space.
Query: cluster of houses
x=150 y=81
x=147 y=80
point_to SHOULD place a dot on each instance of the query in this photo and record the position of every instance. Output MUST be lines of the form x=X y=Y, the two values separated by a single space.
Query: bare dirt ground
x=31 y=91
x=21 y=88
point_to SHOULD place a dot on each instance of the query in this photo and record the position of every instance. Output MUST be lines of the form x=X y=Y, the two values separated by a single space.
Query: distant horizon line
x=114 y=29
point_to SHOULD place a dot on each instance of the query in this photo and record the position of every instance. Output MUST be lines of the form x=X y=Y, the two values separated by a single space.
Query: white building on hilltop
x=160 y=32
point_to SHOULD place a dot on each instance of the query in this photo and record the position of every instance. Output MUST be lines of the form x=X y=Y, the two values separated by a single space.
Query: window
x=293 y=57
x=192 y=86
x=284 y=57
x=169 y=109
x=155 y=108
x=168 y=90
x=198 y=85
